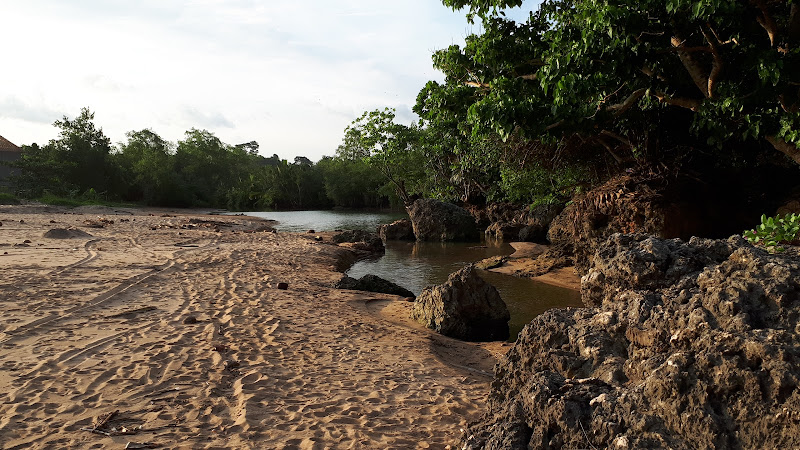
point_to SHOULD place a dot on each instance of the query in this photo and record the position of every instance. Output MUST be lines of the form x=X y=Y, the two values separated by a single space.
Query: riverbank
x=523 y=259
x=168 y=328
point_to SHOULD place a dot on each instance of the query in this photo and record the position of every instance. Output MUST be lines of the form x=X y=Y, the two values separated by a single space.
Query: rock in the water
x=373 y=283
x=686 y=345
x=464 y=307
x=360 y=240
x=434 y=220
x=399 y=230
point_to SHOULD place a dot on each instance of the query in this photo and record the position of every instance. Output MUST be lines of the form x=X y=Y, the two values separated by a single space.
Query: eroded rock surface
x=399 y=230
x=464 y=307
x=360 y=240
x=684 y=345
x=373 y=283
x=434 y=220
x=504 y=231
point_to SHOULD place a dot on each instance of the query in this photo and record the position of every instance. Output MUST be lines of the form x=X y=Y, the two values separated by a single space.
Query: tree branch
x=716 y=65
x=616 y=157
x=784 y=147
x=554 y=125
x=787 y=107
x=688 y=103
x=617 y=137
x=621 y=108
x=766 y=21
x=695 y=71
x=793 y=29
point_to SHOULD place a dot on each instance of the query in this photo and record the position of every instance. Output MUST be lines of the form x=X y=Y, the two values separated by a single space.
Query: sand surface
x=165 y=330
x=524 y=258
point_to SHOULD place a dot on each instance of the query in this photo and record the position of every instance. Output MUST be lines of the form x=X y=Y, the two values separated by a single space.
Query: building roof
x=7 y=146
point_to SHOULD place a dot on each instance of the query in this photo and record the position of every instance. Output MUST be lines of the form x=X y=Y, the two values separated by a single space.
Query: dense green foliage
x=530 y=112
x=614 y=82
x=82 y=166
x=774 y=231
x=583 y=89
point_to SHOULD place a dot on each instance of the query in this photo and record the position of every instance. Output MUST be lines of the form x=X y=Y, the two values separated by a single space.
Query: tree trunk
x=784 y=147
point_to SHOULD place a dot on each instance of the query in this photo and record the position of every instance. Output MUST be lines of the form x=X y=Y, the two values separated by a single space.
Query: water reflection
x=415 y=265
x=420 y=264
x=527 y=299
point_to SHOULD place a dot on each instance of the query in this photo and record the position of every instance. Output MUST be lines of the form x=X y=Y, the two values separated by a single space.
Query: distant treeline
x=198 y=171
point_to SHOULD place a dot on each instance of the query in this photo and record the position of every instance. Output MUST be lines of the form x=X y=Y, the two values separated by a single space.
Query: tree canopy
x=633 y=78
x=199 y=171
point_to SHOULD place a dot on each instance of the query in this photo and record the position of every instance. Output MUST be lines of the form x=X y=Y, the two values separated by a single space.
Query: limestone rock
x=434 y=220
x=399 y=230
x=360 y=240
x=464 y=307
x=373 y=283
x=686 y=345
x=504 y=231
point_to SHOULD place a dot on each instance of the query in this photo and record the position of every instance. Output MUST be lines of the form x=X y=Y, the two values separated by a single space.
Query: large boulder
x=434 y=220
x=373 y=283
x=685 y=345
x=464 y=307
x=399 y=230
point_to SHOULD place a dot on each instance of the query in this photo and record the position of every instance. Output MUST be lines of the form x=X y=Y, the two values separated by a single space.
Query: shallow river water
x=415 y=265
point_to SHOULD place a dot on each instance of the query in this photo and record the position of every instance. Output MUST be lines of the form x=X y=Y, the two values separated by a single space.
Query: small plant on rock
x=774 y=231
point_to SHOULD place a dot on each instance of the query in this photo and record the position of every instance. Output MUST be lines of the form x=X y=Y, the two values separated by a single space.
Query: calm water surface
x=415 y=265
x=300 y=221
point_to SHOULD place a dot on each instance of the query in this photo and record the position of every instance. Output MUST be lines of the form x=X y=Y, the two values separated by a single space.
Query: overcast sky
x=290 y=74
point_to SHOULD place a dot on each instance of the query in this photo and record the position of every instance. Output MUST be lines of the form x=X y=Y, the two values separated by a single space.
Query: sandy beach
x=157 y=329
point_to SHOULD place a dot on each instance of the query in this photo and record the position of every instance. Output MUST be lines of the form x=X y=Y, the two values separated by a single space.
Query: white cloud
x=290 y=74
x=37 y=112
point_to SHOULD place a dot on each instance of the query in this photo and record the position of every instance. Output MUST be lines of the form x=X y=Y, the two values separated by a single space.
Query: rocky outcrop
x=373 y=283
x=434 y=220
x=504 y=231
x=684 y=345
x=399 y=230
x=511 y=222
x=668 y=203
x=629 y=203
x=359 y=240
x=464 y=307
x=790 y=207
